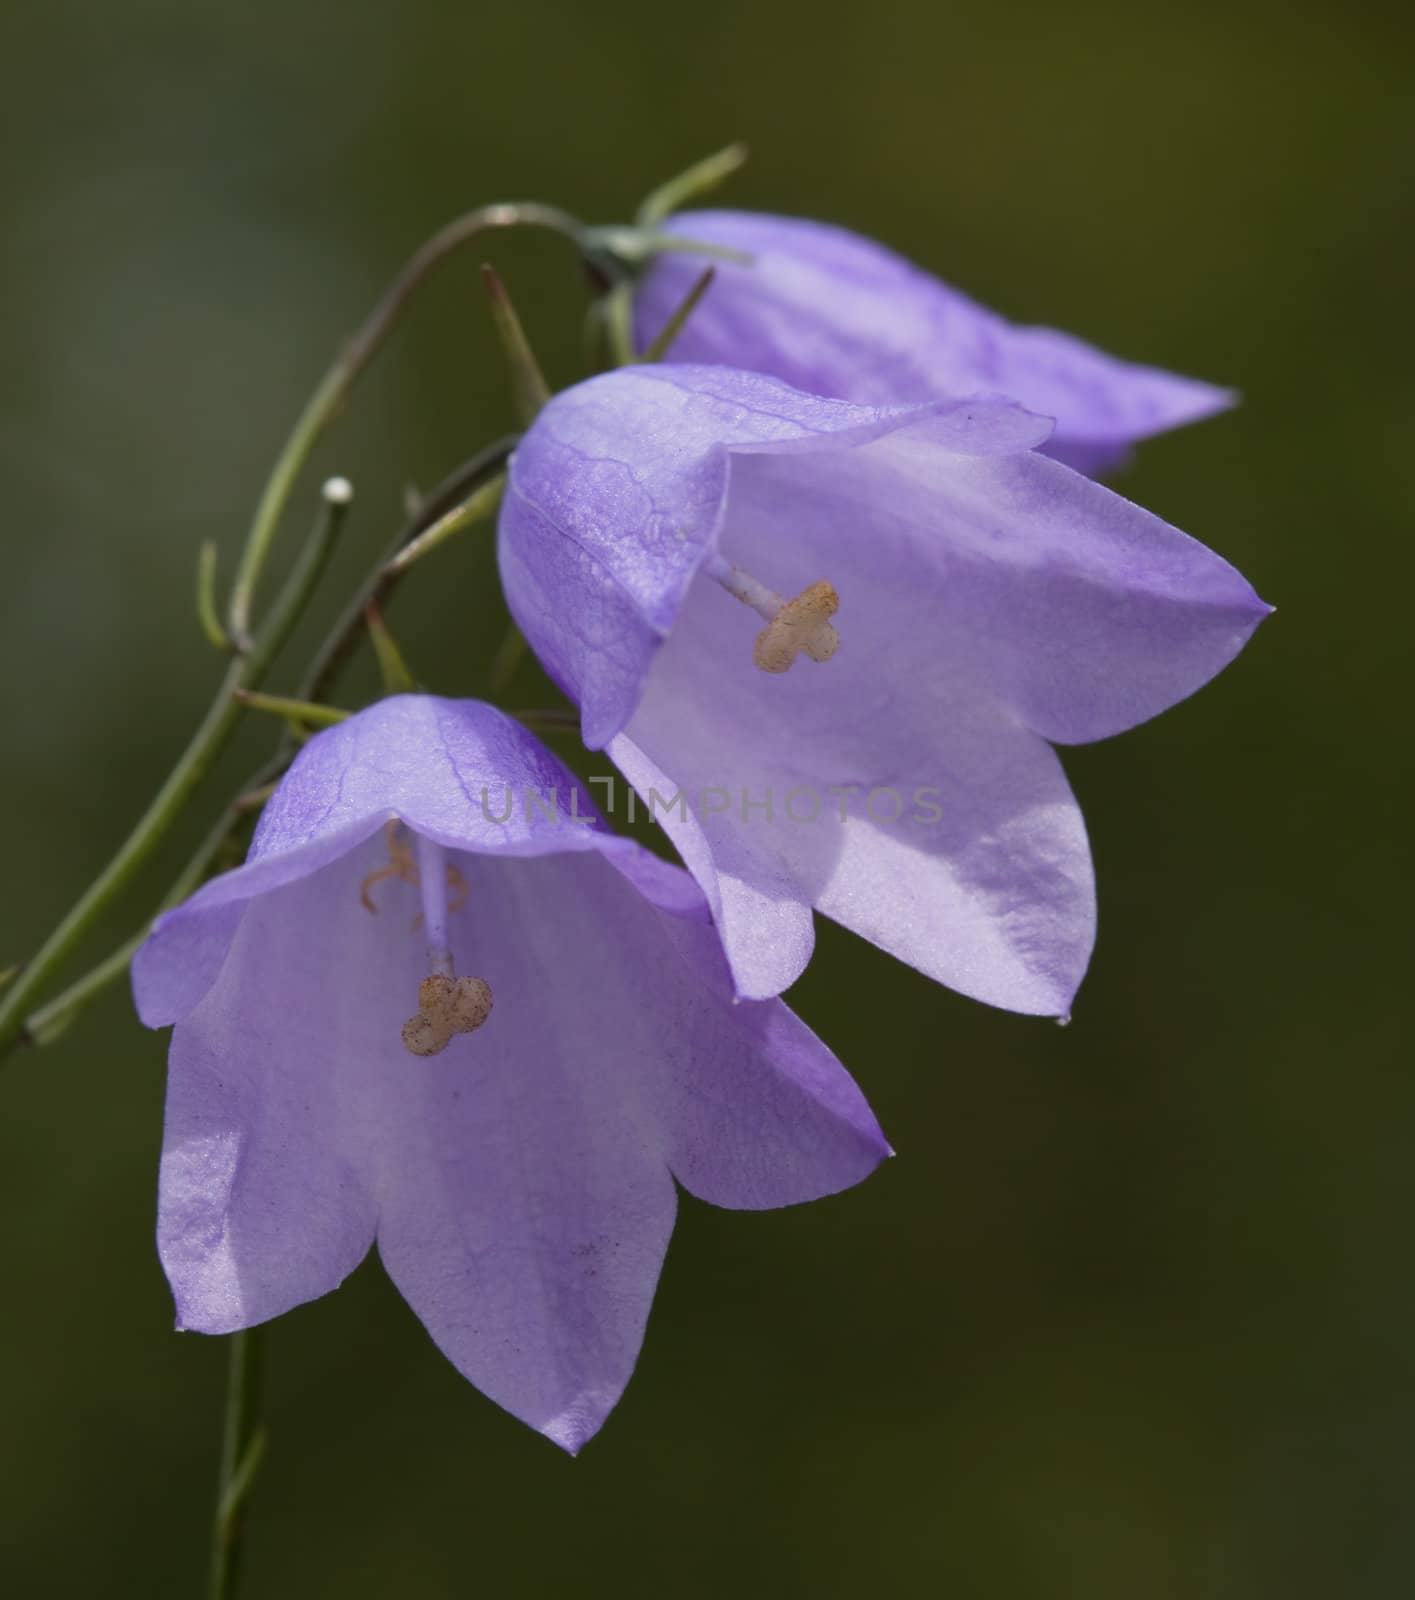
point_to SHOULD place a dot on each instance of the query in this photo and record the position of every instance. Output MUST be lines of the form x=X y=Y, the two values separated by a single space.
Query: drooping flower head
x=935 y=603
x=836 y=314
x=443 y=1007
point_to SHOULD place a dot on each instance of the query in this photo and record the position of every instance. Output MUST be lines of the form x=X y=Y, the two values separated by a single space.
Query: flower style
x=961 y=600
x=442 y=1006
x=837 y=314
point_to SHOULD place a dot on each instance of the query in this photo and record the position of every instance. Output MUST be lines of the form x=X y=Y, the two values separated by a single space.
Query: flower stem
x=663 y=340
x=243 y=1441
x=206 y=599
x=205 y=745
x=529 y=390
x=281 y=705
x=441 y=502
x=476 y=506
x=328 y=399
x=700 y=179
x=50 y=1020
x=397 y=675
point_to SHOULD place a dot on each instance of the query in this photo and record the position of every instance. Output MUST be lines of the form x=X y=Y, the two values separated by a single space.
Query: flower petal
x=458 y=771
x=1082 y=612
x=616 y=495
x=759 y=903
x=758 y=1111
x=526 y=1202
x=837 y=314
x=264 y=1200
x=518 y=1178
x=932 y=824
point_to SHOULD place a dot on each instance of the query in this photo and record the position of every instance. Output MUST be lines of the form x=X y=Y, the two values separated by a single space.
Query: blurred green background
x=1132 y=1313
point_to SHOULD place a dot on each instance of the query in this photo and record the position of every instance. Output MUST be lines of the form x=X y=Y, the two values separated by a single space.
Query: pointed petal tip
x=1251 y=607
x=1209 y=400
x=1190 y=400
x=571 y=1431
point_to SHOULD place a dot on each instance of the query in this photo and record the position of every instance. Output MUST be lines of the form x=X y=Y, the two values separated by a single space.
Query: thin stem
x=243 y=1440
x=700 y=179
x=393 y=669
x=509 y=655
x=46 y=1024
x=206 y=744
x=473 y=509
x=619 y=324
x=663 y=340
x=332 y=655
x=325 y=403
x=206 y=599
x=529 y=390
x=282 y=705
x=631 y=247
x=329 y=661
x=553 y=721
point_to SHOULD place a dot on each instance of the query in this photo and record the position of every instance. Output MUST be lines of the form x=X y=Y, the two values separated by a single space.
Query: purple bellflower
x=836 y=314
x=963 y=602
x=443 y=1007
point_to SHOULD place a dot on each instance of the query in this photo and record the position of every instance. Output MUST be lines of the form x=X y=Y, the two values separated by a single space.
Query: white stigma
x=793 y=627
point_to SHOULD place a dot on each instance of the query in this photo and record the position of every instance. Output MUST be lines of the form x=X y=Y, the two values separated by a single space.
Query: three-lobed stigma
x=801 y=627
x=793 y=627
x=447 y=1005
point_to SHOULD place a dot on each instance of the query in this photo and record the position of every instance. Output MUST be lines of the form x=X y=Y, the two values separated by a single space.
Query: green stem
x=619 y=324
x=319 y=681
x=45 y=1025
x=324 y=405
x=481 y=504
x=663 y=340
x=529 y=390
x=282 y=705
x=206 y=599
x=49 y=1021
x=243 y=1440
x=392 y=668
x=700 y=179
x=206 y=744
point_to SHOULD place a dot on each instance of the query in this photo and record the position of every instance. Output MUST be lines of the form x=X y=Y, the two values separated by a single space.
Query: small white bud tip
x=338 y=491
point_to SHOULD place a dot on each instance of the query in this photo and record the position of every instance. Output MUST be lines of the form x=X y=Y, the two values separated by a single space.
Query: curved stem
x=50 y=1020
x=242 y=1448
x=332 y=655
x=477 y=506
x=205 y=745
x=700 y=179
x=324 y=405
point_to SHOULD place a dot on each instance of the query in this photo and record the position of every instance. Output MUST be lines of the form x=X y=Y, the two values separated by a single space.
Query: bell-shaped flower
x=441 y=1006
x=837 y=314
x=935 y=601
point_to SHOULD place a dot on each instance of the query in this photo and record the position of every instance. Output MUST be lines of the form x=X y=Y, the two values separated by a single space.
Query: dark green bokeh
x=1132 y=1312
